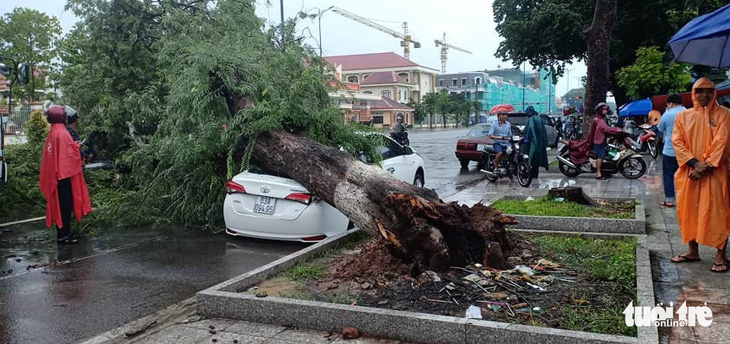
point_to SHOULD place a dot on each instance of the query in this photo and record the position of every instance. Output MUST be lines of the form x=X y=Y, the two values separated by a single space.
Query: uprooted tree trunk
x=418 y=225
x=572 y=194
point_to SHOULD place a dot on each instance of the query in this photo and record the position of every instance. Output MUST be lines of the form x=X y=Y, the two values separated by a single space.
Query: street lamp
x=319 y=19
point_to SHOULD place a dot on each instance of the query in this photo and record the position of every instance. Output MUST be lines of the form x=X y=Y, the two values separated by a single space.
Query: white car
x=268 y=207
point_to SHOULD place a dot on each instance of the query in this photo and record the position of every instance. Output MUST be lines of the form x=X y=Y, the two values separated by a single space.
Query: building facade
x=387 y=74
x=503 y=87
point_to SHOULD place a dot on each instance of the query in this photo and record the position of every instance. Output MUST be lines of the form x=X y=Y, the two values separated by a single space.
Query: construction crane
x=406 y=39
x=444 y=51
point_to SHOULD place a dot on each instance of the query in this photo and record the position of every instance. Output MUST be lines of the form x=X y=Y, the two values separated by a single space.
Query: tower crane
x=406 y=39
x=444 y=51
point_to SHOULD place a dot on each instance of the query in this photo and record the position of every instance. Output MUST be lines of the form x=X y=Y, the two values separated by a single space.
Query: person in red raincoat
x=62 y=181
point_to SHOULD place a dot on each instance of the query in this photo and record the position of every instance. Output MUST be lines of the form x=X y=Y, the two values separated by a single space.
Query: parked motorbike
x=646 y=140
x=401 y=138
x=620 y=158
x=513 y=163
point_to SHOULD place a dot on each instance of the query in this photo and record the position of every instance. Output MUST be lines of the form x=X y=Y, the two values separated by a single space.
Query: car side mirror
x=408 y=150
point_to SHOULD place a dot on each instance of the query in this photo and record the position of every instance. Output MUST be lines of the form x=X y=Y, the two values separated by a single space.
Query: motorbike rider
x=500 y=132
x=599 y=137
x=399 y=129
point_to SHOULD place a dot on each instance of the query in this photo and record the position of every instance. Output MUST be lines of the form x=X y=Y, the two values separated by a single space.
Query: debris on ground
x=350 y=333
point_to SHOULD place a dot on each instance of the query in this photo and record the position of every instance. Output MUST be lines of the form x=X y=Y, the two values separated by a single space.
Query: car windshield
x=479 y=131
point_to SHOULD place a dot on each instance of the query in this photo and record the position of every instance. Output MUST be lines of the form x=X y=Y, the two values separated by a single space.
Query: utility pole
x=550 y=90
x=281 y=3
x=524 y=76
x=319 y=17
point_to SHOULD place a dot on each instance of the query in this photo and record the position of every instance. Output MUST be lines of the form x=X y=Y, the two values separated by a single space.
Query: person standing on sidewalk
x=62 y=181
x=700 y=139
x=536 y=139
x=600 y=128
x=669 y=159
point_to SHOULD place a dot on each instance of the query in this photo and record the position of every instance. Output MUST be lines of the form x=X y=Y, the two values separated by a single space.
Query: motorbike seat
x=489 y=149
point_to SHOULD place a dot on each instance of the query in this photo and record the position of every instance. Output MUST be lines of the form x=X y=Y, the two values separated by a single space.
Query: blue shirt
x=666 y=125
x=498 y=129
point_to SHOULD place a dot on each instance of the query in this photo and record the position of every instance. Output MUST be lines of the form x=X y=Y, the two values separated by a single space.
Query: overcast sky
x=468 y=24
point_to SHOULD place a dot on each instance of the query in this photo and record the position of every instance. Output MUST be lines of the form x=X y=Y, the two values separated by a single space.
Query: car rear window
x=479 y=131
x=517 y=120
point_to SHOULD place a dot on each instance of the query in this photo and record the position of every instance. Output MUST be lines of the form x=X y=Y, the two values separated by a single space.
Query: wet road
x=52 y=295
x=443 y=172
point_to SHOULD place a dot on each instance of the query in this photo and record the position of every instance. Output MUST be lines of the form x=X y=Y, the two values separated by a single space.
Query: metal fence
x=18 y=119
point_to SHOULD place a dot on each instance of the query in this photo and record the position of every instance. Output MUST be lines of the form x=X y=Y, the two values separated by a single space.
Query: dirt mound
x=374 y=261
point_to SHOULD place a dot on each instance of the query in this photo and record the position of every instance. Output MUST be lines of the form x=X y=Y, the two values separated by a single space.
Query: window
x=400 y=95
x=463 y=81
x=385 y=93
x=378 y=119
x=441 y=82
x=368 y=92
x=405 y=94
x=404 y=76
x=454 y=82
x=478 y=81
x=353 y=79
x=390 y=149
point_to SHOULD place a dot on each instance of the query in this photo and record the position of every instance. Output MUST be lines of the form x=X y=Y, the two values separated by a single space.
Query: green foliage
x=613 y=260
x=37 y=128
x=170 y=72
x=608 y=320
x=544 y=206
x=29 y=36
x=419 y=111
x=651 y=74
x=21 y=197
x=306 y=273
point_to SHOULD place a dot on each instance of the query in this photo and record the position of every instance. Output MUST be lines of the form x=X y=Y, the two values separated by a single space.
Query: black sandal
x=716 y=265
x=684 y=259
x=68 y=240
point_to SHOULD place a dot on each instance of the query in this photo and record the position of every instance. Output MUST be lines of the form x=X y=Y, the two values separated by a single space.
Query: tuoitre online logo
x=664 y=316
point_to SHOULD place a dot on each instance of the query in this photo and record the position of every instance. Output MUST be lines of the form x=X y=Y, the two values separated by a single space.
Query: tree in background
x=653 y=73
x=37 y=128
x=29 y=36
x=430 y=106
x=561 y=26
x=444 y=105
x=419 y=111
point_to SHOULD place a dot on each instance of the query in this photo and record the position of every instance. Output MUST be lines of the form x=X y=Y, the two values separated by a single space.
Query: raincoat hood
x=704 y=83
x=530 y=111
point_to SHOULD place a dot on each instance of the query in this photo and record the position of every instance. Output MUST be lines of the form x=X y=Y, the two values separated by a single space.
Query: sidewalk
x=672 y=283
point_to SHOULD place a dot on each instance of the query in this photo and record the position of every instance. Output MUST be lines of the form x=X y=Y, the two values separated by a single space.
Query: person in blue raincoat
x=536 y=142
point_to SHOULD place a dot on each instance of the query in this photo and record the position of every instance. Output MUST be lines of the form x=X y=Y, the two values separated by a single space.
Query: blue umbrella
x=704 y=40
x=636 y=108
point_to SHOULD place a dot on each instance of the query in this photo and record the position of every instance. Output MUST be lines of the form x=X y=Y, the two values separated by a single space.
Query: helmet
x=600 y=105
x=56 y=114
x=71 y=114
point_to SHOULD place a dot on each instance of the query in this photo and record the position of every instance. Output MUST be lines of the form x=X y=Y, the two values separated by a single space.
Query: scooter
x=401 y=138
x=513 y=163
x=620 y=158
x=646 y=141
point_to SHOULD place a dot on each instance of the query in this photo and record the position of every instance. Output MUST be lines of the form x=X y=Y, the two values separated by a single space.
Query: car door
x=396 y=161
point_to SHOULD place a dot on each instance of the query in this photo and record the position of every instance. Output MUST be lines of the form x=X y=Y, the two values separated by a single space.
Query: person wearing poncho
x=700 y=139
x=61 y=180
x=536 y=138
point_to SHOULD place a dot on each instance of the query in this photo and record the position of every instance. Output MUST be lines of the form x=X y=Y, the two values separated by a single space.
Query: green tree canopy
x=561 y=26
x=652 y=73
x=173 y=70
x=29 y=36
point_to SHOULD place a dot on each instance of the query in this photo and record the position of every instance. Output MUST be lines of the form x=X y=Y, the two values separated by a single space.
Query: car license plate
x=264 y=205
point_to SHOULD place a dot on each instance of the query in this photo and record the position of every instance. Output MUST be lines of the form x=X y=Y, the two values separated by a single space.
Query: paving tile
x=177 y=334
x=367 y=340
x=682 y=335
x=228 y=338
x=255 y=329
x=217 y=323
x=307 y=336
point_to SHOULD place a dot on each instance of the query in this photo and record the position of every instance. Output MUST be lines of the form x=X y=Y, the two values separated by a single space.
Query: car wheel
x=464 y=163
x=418 y=181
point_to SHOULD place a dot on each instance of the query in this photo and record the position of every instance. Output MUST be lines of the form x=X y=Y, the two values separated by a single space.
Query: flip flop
x=684 y=259
x=68 y=240
x=666 y=204
x=715 y=265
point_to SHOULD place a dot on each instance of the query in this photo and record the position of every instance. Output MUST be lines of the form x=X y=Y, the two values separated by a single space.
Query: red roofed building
x=387 y=74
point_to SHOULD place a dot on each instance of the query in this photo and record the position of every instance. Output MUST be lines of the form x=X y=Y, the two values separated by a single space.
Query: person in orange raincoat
x=700 y=139
x=62 y=181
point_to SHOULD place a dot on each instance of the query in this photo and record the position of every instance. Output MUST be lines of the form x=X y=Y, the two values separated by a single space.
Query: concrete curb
x=226 y=300
x=585 y=224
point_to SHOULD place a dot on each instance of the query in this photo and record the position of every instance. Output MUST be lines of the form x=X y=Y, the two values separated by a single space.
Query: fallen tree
x=418 y=225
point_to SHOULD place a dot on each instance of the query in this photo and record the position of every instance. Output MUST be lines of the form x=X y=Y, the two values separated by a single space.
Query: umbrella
x=635 y=108
x=501 y=108
x=704 y=40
